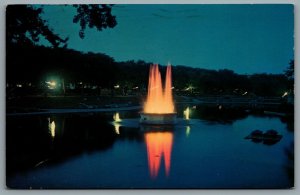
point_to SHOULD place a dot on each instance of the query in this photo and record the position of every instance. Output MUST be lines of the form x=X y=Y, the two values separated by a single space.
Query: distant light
x=189 y=88
x=136 y=87
x=172 y=87
x=220 y=107
x=80 y=83
x=285 y=94
x=245 y=93
x=51 y=84
x=19 y=85
x=117 y=86
x=194 y=107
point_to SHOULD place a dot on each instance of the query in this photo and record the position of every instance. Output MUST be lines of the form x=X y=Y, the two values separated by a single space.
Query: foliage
x=290 y=70
x=95 y=16
x=26 y=26
x=36 y=63
x=101 y=70
x=289 y=73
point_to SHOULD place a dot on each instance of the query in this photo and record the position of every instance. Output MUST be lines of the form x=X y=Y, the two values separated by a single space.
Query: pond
x=209 y=151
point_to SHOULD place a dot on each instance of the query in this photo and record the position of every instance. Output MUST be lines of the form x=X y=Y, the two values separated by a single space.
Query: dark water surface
x=90 y=151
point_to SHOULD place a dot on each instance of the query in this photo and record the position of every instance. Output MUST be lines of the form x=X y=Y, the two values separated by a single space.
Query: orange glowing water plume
x=159 y=101
x=159 y=144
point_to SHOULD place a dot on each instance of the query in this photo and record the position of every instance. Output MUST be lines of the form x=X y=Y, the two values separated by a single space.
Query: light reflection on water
x=159 y=146
x=215 y=155
x=117 y=128
x=188 y=130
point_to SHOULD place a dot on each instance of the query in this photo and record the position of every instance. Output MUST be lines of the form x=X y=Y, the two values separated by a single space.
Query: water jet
x=159 y=105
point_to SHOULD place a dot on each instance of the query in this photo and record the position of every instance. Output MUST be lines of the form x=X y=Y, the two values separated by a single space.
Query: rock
x=270 y=137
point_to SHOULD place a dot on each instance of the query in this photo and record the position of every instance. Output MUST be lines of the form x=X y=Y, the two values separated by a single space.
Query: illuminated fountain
x=159 y=105
x=117 y=117
x=186 y=113
x=51 y=127
x=116 y=122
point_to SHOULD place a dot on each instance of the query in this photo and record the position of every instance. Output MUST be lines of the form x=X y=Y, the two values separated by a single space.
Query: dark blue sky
x=244 y=38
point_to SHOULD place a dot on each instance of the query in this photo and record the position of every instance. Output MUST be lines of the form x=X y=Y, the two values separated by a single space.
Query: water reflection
x=117 y=128
x=159 y=145
x=92 y=141
x=116 y=122
x=220 y=114
x=187 y=130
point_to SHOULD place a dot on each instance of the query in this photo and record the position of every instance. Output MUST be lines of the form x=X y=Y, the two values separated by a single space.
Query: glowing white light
x=245 y=93
x=117 y=117
x=189 y=88
x=285 y=94
x=51 y=84
x=117 y=86
x=51 y=126
x=186 y=113
x=19 y=85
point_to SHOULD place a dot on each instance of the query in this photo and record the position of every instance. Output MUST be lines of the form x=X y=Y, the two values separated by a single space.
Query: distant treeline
x=35 y=64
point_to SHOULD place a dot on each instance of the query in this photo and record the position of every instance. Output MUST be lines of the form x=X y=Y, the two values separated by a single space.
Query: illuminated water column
x=168 y=97
x=116 y=122
x=159 y=100
x=186 y=113
x=51 y=127
x=116 y=117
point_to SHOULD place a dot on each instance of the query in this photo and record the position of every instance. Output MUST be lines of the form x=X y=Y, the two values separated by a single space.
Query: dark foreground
x=88 y=151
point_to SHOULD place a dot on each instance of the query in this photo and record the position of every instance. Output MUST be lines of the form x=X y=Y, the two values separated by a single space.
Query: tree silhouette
x=95 y=16
x=26 y=26
x=289 y=73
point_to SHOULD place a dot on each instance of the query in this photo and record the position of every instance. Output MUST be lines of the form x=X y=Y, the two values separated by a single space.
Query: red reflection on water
x=159 y=144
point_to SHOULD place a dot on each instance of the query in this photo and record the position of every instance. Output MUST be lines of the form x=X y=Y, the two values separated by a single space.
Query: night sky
x=244 y=38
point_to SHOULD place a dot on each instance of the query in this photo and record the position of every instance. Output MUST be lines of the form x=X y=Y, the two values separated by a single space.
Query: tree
x=95 y=16
x=289 y=73
x=26 y=26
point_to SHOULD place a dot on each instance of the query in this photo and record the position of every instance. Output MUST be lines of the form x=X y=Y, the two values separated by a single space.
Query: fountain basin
x=158 y=119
